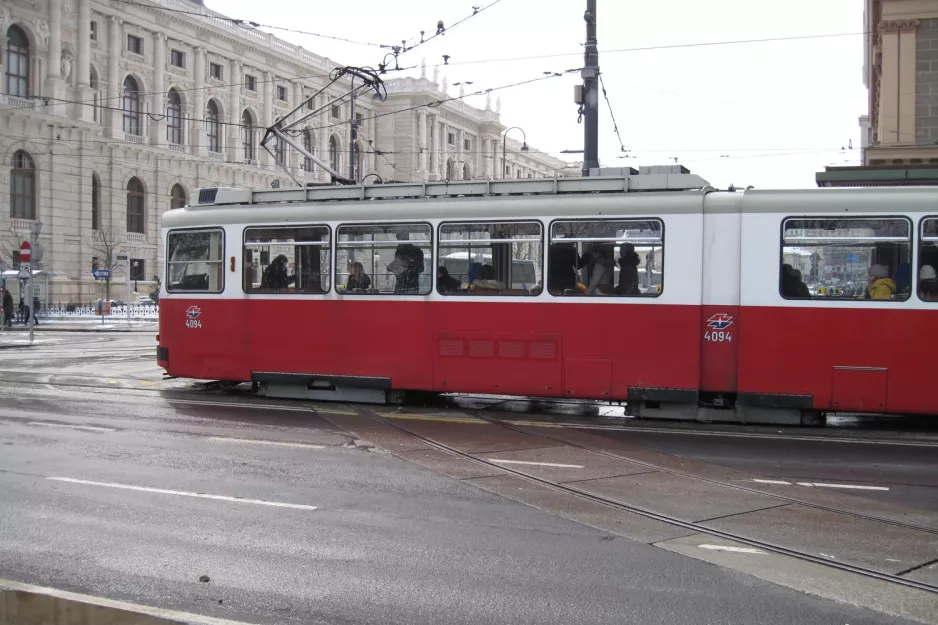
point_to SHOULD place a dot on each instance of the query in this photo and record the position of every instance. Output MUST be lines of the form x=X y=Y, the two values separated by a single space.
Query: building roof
x=878 y=176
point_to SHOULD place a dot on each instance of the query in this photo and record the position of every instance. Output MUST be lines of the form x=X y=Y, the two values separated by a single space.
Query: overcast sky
x=768 y=114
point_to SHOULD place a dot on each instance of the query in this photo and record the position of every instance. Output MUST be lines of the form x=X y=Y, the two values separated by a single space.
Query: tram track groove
x=747 y=489
x=696 y=527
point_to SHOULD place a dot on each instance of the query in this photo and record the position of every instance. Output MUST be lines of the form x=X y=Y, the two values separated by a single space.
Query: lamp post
x=524 y=145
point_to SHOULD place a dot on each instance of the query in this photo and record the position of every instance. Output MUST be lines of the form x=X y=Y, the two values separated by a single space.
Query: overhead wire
x=612 y=114
x=249 y=23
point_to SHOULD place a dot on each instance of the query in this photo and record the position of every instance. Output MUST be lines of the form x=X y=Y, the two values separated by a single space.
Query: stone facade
x=926 y=82
x=901 y=73
x=117 y=97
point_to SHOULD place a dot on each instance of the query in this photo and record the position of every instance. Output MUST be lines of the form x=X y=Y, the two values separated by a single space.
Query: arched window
x=95 y=88
x=17 y=63
x=23 y=187
x=212 y=127
x=308 y=165
x=174 y=117
x=466 y=174
x=95 y=203
x=131 y=106
x=135 y=207
x=177 y=197
x=247 y=135
x=334 y=154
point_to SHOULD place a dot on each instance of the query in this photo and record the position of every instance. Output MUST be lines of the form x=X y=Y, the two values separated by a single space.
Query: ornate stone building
x=112 y=113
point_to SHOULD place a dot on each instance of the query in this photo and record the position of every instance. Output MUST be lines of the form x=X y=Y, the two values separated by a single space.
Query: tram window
x=383 y=259
x=501 y=258
x=846 y=258
x=928 y=261
x=618 y=258
x=194 y=261
x=286 y=260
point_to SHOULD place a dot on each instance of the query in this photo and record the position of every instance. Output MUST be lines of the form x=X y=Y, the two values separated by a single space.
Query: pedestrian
x=7 y=308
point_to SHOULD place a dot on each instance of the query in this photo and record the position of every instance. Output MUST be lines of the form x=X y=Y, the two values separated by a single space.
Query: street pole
x=590 y=74
x=127 y=288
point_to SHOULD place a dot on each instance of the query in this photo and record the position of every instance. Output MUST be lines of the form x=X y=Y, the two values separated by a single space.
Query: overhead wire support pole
x=590 y=75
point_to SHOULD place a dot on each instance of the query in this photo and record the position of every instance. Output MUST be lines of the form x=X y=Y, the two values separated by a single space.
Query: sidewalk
x=84 y=325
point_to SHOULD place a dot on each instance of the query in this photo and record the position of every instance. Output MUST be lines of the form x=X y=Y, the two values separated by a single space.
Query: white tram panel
x=764 y=213
x=722 y=224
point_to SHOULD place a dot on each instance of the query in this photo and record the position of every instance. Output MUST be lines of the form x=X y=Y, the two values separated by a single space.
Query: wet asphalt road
x=388 y=541
x=909 y=472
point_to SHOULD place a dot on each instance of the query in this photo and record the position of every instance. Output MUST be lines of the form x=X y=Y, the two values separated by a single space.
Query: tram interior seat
x=194 y=282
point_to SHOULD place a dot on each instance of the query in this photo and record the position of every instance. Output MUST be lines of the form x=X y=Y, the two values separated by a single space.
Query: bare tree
x=10 y=241
x=104 y=243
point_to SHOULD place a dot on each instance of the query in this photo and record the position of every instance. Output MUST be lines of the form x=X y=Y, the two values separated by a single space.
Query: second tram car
x=653 y=289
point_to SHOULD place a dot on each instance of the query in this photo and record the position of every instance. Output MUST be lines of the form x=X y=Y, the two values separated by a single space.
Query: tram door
x=720 y=293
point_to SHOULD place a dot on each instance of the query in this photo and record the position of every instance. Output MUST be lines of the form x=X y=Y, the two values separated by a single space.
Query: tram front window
x=194 y=261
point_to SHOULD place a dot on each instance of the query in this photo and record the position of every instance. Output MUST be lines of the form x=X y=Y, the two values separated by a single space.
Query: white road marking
x=732 y=549
x=251 y=441
x=103 y=602
x=782 y=482
x=89 y=428
x=182 y=493
x=849 y=486
x=538 y=464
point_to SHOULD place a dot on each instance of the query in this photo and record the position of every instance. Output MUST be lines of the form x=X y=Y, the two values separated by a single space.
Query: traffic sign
x=25 y=273
x=25 y=252
x=101 y=273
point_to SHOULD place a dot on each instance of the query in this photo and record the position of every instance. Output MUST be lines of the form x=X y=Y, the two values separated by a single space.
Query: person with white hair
x=928 y=284
x=881 y=286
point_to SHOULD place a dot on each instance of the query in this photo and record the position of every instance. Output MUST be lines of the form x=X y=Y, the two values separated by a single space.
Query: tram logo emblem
x=192 y=317
x=720 y=321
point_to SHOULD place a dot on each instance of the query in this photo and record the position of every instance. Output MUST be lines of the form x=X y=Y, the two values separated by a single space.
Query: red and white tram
x=653 y=289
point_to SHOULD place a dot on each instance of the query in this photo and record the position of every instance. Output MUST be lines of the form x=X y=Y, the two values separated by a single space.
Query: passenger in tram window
x=928 y=284
x=628 y=270
x=404 y=268
x=881 y=286
x=277 y=276
x=487 y=279
x=358 y=280
x=411 y=251
x=584 y=265
x=603 y=275
x=561 y=268
x=445 y=282
x=792 y=285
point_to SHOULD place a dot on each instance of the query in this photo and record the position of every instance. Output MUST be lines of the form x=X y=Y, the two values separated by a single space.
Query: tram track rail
x=665 y=518
x=735 y=486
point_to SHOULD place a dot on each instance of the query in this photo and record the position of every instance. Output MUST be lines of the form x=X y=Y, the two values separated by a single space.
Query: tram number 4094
x=718 y=337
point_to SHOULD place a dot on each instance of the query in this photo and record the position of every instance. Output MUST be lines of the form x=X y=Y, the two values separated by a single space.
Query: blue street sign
x=853 y=258
x=101 y=273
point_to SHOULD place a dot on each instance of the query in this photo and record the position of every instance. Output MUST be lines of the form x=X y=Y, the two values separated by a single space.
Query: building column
x=235 y=155
x=907 y=79
x=82 y=69
x=197 y=125
x=113 y=76
x=324 y=134
x=487 y=157
x=158 y=98
x=267 y=116
x=54 y=86
x=294 y=158
x=422 y=143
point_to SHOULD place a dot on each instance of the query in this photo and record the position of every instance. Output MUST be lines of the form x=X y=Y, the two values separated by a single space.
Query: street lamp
x=524 y=145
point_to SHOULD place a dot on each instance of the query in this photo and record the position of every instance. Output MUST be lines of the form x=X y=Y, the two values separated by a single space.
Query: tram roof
x=673 y=193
